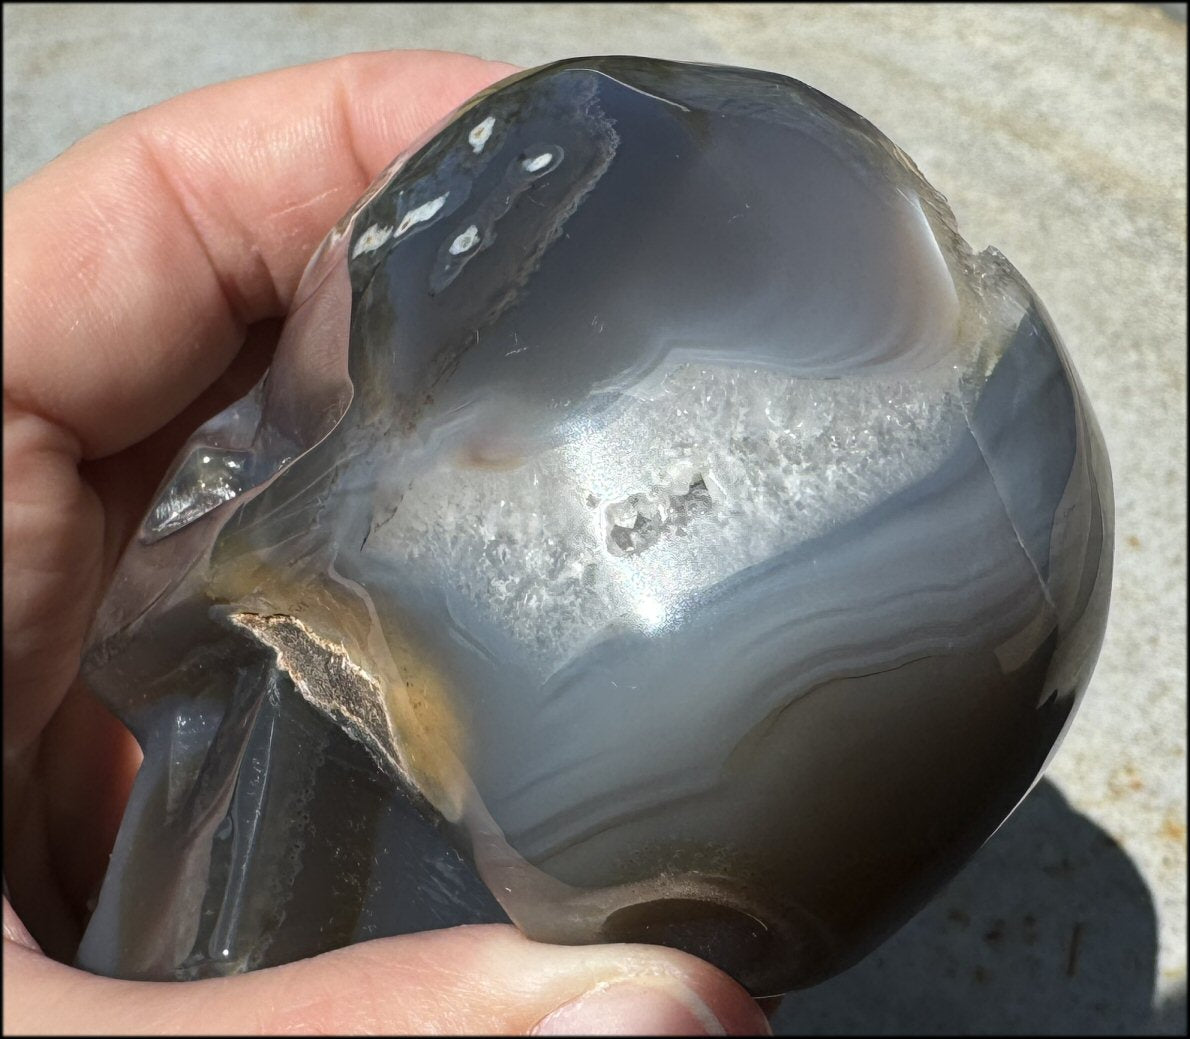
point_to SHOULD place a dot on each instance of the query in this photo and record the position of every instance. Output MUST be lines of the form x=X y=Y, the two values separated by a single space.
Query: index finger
x=134 y=261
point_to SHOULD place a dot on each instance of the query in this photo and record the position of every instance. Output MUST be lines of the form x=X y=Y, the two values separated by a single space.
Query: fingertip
x=489 y=980
x=652 y=1006
x=735 y=1010
x=618 y=989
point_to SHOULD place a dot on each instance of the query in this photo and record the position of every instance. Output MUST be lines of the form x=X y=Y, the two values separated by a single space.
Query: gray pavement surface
x=1058 y=132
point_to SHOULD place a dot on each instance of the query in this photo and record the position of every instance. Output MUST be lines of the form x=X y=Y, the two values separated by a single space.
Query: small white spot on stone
x=650 y=610
x=371 y=240
x=421 y=214
x=538 y=162
x=465 y=242
x=480 y=133
x=206 y=459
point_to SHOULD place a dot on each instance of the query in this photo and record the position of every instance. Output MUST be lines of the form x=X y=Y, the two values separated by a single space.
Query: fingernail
x=663 y=1007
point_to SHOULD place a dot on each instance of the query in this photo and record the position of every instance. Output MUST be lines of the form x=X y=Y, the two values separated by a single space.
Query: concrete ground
x=1058 y=131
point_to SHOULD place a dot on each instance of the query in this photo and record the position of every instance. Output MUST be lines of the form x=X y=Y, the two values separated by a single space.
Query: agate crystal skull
x=656 y=525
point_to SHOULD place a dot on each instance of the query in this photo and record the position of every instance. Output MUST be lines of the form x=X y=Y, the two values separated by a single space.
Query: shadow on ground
x=1050 y=929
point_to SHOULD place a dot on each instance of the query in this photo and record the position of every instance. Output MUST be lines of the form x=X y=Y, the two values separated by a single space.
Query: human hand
x=145 y=273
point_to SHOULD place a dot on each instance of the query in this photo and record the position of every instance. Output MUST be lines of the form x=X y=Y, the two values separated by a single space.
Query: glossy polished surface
x=654 y=502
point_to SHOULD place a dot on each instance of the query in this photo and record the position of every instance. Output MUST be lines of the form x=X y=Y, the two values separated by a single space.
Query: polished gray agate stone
x=656 y=525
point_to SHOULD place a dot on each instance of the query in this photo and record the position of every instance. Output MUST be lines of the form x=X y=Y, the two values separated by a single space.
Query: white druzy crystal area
x=713 y=470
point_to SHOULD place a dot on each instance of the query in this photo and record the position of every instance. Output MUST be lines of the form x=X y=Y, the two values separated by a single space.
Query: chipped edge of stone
x=329 y=681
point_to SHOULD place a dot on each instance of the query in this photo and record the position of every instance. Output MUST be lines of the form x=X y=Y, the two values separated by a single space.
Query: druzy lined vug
x=656 y=525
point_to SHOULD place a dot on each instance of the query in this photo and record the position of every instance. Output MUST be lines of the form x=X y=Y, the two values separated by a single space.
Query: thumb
x=485 y=980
